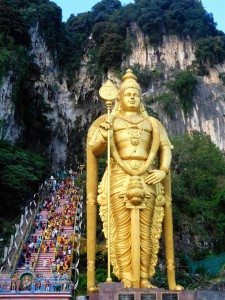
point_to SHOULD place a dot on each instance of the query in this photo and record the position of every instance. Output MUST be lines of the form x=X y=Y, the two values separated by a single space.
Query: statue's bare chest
x=132 y=137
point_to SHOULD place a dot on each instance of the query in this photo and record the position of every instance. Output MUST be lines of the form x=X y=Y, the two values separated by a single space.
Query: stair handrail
x=39 y=250
x=78 y=236
x=72 y=256
x=28 y=230
x=24 y=239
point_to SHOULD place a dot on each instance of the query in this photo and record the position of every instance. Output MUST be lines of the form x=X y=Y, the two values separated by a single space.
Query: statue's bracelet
x=164 y=169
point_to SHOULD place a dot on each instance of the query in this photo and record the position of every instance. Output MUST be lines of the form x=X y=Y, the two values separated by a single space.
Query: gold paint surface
x=134 y=195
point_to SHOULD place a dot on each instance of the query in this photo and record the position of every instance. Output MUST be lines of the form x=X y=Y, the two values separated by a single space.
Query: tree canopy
x=21 y=173
x=68 y=41
x=198 y=185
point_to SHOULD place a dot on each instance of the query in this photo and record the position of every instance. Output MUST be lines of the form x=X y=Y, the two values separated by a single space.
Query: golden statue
x=139 y=206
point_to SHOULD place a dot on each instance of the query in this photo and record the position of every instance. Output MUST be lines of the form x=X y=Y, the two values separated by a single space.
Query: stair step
x=68 y=230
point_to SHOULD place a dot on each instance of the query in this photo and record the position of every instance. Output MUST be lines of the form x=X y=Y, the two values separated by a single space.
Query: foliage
x=72 y=43
x=103 y=9
x=143 y=74
x=166 y=100
x=7 y=227
x=110 y=40
x=12 y=26
x=42 y=12
x=30 y=109
x=94 y=70
x=182 y=18
x=108 y=21
x=184 y=86
x=21 y=172
x=156 y=18
x=49 y=17
x=103 y=30
x=80 y=181
x=210 y=51
x=13 y=36
x=198 y=179
x=102 y=166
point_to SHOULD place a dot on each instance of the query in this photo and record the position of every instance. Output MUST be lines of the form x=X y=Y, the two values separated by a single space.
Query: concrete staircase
x=40 y=269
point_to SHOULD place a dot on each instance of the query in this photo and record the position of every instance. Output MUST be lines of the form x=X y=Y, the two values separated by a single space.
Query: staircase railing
x=17 y=254
x=24 y=239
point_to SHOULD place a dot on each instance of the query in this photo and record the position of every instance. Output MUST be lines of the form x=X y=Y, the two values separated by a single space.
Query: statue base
x=116 y=291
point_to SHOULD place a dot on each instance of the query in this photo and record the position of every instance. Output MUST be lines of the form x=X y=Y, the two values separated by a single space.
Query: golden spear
x=108 y=93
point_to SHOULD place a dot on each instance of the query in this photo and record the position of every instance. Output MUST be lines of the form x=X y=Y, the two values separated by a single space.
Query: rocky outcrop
x=172 y=53
x=71 y=109
x=74 y=108
x=208 y=113
x=8 y=128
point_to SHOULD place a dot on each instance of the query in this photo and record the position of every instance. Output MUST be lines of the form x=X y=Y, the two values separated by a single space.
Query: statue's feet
x=146 y=284
x=175 y=287
x=127 y=283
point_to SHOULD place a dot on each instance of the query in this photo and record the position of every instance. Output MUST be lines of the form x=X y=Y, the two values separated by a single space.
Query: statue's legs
x=122 y=222
x=122 y=217
x=123 y=239
x=146 y=247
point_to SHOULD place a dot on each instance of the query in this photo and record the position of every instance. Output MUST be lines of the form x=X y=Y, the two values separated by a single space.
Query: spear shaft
x=109 y=279
x=109 y=93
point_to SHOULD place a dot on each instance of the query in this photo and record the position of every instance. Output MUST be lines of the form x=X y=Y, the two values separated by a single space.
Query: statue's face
x=131 y=100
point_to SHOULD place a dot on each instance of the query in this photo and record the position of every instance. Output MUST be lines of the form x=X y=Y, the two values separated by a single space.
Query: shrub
x=210 y=51
x=166 y=100
x=198 y=185
x=21 y=173
x=184 y=86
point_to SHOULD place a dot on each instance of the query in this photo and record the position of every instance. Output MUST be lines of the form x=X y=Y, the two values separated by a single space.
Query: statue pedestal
x=116 y=291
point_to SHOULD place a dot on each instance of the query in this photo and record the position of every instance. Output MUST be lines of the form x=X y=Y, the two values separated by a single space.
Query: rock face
x=173 y=53
x=208 y=113
x=73 y=109
x=8 y=128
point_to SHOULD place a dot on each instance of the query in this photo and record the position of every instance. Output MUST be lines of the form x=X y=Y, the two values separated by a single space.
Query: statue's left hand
x=155 y=177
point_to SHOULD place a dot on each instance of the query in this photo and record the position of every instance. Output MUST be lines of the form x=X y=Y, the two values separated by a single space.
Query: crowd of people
x=52 y=229
x=62 y=261
x=31 y=246
x=62 y=243
x=46 y=234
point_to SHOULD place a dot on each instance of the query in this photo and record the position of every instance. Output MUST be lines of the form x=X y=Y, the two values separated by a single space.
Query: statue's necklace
x=134 y=132
x=132 y=119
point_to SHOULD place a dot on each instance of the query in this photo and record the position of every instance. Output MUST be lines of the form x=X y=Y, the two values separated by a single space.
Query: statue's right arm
x=98 y=138
x=98 y=143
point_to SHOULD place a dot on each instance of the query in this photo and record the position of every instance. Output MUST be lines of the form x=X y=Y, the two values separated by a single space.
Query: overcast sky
x=217 y=7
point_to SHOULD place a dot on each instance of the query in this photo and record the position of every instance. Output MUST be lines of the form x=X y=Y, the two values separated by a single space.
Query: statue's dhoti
x=134 y=244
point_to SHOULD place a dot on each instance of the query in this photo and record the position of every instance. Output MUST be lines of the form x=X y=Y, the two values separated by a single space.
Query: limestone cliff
x=73 y=108
x=208 y=113
x=8 y=128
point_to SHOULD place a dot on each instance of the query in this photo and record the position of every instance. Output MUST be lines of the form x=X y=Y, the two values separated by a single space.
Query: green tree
x=12 y=26
x=166 y=100
x=103 y=9
x=110 y=41
x=184 y=86
x=21 y=173
x=210 y=51
x=198 y=185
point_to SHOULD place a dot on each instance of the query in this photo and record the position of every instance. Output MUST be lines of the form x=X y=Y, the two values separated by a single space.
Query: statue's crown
x=129 y=81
